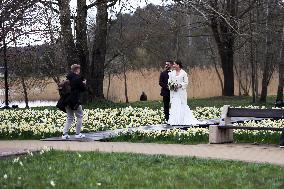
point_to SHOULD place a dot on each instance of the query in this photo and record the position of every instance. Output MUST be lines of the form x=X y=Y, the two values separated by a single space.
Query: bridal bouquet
x=173 y=85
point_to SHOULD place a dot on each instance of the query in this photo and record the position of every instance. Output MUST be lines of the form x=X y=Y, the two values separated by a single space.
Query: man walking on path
x=165 y=92
x=78 y=85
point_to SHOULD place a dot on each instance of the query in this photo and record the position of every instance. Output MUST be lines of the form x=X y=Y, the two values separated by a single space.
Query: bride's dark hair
x=178 y=62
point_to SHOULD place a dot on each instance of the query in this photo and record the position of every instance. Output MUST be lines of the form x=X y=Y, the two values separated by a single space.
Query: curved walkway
x=241 y=152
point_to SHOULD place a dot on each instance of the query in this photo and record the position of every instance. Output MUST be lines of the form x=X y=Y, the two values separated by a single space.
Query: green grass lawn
x=57 y=169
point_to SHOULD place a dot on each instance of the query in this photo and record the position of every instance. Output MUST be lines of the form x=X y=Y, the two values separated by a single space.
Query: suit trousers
x=166 y=100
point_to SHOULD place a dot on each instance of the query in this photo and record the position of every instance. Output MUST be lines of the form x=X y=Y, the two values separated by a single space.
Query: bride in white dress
x=180 y=113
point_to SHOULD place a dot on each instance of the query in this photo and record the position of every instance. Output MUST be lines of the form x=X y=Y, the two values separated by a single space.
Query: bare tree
x=27 y=74
x=94 y=70
x=215 y=62
x=53 y=50
x=12 y=14
x=81 y=36
x=66 y=32
x=268 y=64
x=223 y=17
x=281 y=71
x=99 y=51
x=13 y=17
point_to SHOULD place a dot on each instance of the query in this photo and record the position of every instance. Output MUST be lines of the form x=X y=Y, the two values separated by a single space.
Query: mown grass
x=70 y=170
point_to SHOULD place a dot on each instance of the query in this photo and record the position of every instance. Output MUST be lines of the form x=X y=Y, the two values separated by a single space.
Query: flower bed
x=35 y=124
x=190 y=136
x=30 y=123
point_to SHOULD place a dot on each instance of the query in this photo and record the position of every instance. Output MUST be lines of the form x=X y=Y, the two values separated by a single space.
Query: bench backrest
x=228 y=113
x=257 y=113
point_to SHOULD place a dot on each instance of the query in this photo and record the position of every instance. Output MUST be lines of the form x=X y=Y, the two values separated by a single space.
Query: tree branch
x=97 y=2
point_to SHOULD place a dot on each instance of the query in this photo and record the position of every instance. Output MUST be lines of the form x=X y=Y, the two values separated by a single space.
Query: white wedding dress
x=180 y=113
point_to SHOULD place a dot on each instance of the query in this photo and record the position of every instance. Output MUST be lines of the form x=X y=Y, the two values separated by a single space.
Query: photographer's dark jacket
x=73 y=100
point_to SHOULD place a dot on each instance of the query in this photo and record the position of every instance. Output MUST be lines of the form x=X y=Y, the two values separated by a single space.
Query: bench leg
x=219 y=136
x=282 y=138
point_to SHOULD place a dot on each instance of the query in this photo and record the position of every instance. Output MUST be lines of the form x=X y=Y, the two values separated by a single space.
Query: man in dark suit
x=165 y=92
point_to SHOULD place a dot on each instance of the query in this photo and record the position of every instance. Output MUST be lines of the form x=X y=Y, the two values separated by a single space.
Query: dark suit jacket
x=163 y=82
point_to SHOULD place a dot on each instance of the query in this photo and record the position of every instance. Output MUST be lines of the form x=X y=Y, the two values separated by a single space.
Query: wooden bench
x=223 y=133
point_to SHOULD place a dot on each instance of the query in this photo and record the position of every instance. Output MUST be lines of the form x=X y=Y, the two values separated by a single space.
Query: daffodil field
x=37 y=124
x=201 y=135
x=31 y=123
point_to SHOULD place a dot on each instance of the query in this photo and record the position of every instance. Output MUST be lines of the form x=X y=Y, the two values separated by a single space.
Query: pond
x=37 y=103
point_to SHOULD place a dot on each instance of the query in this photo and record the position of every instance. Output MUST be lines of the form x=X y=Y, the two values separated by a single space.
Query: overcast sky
x=134 y=3
x=129 y=4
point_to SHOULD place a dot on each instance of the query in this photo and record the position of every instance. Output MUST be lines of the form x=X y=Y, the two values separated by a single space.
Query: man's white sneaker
x=281 y=146
x=65 y=137
x=80 y=136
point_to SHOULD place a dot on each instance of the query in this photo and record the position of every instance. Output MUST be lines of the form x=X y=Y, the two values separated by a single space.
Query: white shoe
x=282 y=146
x=80 y=136
x=65 y=137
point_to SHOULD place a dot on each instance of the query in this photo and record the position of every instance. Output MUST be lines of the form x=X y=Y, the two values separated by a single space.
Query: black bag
x=64 y=88
x=61 y=104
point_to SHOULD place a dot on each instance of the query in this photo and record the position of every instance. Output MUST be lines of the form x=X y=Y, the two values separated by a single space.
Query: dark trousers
x=282 y=138
x=166 y=100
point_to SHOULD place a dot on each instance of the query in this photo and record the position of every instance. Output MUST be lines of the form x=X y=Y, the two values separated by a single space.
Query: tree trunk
x=96 y=76
x=52 y=60
x=257 y=52
x=213 y=56
x=268 y=54
x=177 y=27
x=108 y=87
x=66 y=33
x=81 y=36
x=25 y=92
x=252 y=59
x=239 y=75
x=177 y=45
x=227 y=61
x=125 y=83
x=224 y=37
x=248 y=82
x=281 y=71
x=82 y=41
x=5 y=59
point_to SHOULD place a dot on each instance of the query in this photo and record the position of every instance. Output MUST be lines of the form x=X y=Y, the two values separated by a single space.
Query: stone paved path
x=241 y=152
x=97 y=136
x=7 y=152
